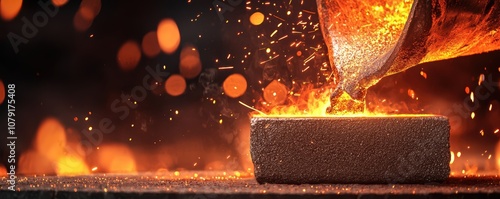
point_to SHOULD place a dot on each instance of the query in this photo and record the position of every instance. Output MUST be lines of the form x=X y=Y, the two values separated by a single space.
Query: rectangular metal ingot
x=371 y=149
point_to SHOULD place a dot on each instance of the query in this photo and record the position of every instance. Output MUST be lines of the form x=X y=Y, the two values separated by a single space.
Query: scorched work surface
x=217 y=185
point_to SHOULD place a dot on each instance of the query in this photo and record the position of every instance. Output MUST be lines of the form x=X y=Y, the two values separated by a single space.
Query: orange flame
x=309 y=102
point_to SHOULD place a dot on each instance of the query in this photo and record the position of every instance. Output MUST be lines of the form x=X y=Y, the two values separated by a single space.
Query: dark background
x=64 y=73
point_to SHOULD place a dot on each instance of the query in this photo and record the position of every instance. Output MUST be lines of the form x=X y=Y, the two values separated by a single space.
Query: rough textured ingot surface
x=393 y=149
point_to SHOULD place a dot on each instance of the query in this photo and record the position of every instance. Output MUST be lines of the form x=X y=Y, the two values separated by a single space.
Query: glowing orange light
x=80 y=23
x=71 y=165
x=275 y=93
x=169 y=36
x=3 y=170
x=497 y=156
x=51 y=139
x=161 y=172
x=215 y=165
x=242 y=145
x=175 y=85
x=33 y=162
x=59 y=3
x=310 y=101
x=235 y=85
x=10 y=8
x=190 y=63
x=2 y=92
x=129 y=55
x=257 y=18
x=150 y=45
x=116 y=158
x=90 y=9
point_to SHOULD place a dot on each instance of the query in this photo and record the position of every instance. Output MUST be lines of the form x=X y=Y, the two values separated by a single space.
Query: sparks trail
x=252 y=108
x=293 y=24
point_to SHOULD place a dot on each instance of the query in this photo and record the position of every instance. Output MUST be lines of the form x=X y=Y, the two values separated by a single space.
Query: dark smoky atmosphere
x=170 y=86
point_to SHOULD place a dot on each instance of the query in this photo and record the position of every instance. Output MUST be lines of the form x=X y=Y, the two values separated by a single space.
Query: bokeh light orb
x=129 y=55
x=10 y=8
x=169 y=36
x=90 y=9
x=59 y=3
x=275 y=93
x=235 y=85
x=80 y=23
x=175 y=85
x=257 y=18
x=150 y=46
x=190 y=63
